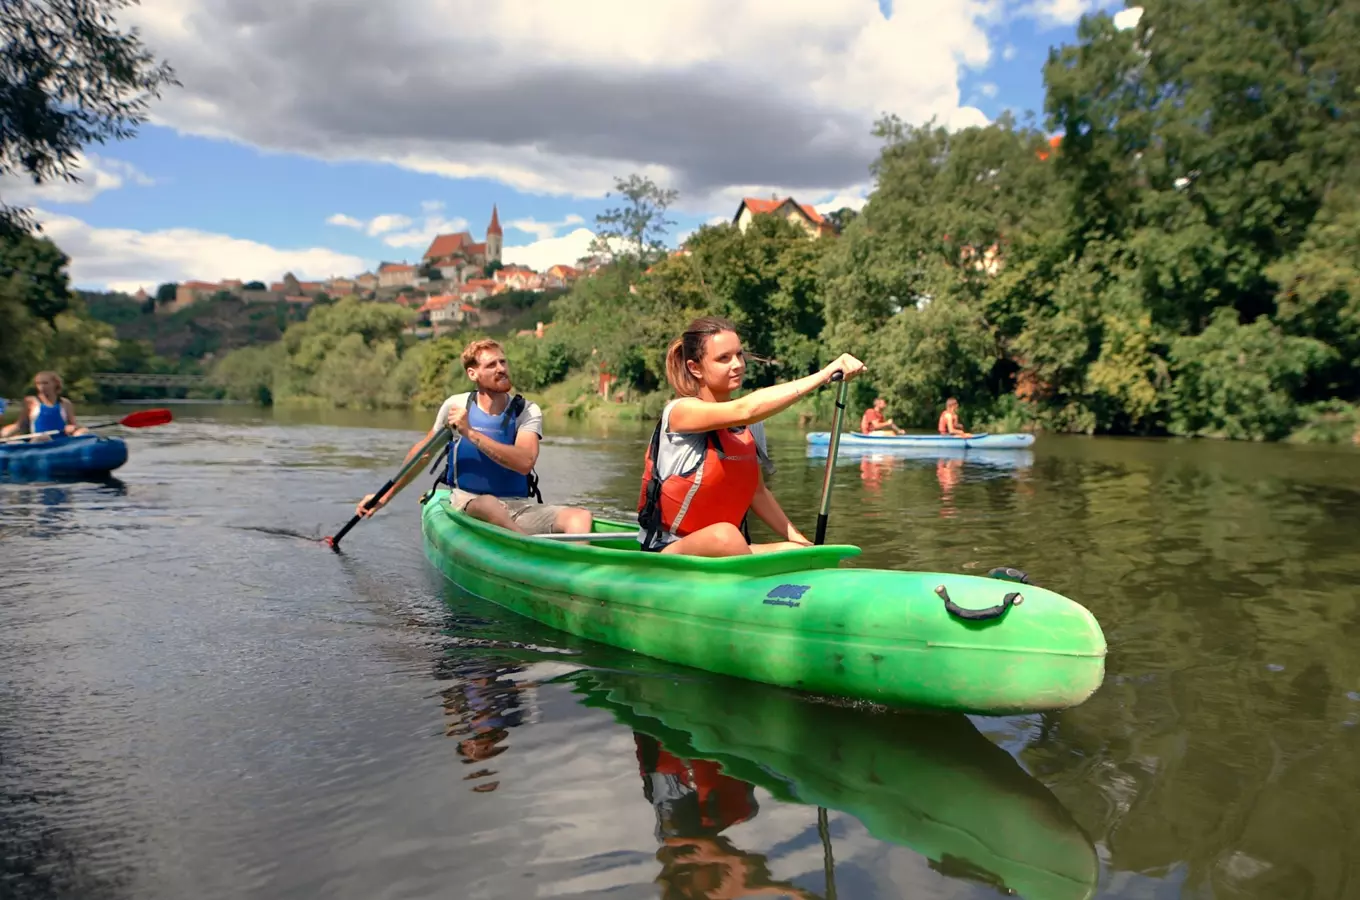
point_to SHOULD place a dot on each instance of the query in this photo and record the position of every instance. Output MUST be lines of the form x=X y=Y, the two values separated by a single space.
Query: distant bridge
x=122 y=379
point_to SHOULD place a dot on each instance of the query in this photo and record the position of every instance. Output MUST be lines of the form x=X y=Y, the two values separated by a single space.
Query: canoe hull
x=925 y=441
x=792 y=619
x=86 y=456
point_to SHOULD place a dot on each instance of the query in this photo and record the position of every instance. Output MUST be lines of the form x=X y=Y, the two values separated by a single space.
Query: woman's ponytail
x=689 y=347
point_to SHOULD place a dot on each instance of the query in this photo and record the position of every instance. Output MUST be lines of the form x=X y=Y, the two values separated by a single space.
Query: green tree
x=69 y=77
x=255 y=286
x=41 y=270
x=166 y=293
x=635 y=230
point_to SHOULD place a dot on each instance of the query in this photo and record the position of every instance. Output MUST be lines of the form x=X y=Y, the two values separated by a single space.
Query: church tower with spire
x=493 y=237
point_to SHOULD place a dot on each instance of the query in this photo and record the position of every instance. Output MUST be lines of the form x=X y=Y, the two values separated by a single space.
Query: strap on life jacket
x=513 y=409
x=649 y=517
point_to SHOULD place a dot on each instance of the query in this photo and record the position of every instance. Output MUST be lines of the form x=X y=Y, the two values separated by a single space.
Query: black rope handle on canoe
x=979 y=615
x=1006 y=573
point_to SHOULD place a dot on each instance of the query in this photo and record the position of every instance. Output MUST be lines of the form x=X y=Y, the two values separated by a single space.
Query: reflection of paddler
x=483 y=708
x=691 y=797
x=947 y=474
x=871 y=471
x=694 y=801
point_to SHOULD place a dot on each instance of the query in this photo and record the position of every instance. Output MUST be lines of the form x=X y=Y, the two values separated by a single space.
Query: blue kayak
x=86 y=456
x=933 y=441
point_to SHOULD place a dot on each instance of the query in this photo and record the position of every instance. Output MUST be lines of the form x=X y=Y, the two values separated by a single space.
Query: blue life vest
x=49 y=418
x=471 y=470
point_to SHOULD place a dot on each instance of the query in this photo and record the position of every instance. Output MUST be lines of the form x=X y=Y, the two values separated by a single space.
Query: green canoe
x=932 y=783
x=793 y=619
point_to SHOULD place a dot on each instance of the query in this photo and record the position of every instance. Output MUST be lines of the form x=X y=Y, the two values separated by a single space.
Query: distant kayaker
x=874 y=419
x=492 y=456
x=949 y=420
x=46 y=412
x=705 y=466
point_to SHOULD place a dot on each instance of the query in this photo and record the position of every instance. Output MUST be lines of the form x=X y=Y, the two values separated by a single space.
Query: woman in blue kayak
x=705 y=467
x=49 y=411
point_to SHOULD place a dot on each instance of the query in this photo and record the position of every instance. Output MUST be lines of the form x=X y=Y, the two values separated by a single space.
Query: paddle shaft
x=417 y=459
x=835 y=445
x=144 y=418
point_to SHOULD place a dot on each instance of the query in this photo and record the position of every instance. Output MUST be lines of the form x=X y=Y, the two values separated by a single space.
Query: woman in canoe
x=705 y=467
x=48 y=411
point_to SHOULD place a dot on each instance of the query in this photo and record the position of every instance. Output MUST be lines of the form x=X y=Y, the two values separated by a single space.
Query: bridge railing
x=124 y=379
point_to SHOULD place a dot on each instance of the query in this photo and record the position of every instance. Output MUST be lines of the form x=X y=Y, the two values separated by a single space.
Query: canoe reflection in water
x=694 y=803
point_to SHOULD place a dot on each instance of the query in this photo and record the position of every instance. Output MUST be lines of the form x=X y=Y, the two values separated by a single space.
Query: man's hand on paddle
x=366 y=513
x=458 y=420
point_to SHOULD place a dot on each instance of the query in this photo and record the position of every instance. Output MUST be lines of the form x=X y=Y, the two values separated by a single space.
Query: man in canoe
x=949 y=420
x=492 y=456
x=49 y=411
x=705 y=467
x=874 y=420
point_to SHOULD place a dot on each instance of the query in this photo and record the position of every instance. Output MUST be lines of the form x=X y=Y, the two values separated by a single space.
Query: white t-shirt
x=531 y=419
x=680 y=453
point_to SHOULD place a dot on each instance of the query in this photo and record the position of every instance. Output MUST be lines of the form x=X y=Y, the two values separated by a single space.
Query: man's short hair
x=474 y=349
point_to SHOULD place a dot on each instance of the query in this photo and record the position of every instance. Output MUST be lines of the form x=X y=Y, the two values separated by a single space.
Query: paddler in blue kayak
x=705 y=467
x=49 y=411
x=949 y=420
x=492 y=456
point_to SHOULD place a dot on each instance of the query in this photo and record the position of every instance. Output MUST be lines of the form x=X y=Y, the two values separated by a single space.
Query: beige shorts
x=527 y=513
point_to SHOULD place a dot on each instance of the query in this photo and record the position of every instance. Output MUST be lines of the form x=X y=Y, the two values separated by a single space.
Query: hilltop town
x=446 y=285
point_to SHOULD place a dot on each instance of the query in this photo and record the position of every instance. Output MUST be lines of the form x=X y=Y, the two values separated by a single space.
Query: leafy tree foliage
x=69 y=77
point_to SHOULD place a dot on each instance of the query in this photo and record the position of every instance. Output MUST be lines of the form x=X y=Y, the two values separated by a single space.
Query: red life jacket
x=720 y=488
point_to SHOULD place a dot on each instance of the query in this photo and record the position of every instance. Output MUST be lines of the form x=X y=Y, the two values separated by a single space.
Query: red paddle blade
x=145 y=418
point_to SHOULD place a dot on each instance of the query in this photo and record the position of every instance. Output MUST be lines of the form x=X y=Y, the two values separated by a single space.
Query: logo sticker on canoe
x=787 y=595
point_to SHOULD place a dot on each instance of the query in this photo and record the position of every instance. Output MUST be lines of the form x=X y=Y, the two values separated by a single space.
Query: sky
x=322 y=137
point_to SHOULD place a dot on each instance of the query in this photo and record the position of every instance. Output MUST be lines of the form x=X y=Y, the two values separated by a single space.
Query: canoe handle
x=979 y=615
x=1007 y=573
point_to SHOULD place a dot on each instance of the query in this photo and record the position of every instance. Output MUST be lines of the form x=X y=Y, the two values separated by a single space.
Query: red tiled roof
x=201 y=285
x=758 y=207
x=482 y=282
x=495 y=226
x=439 y=302
x=468 y=307
x=448 y=244
x=476 y=249
x=396 y=267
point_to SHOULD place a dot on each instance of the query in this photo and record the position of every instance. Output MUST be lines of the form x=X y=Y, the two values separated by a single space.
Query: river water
x=197 y=700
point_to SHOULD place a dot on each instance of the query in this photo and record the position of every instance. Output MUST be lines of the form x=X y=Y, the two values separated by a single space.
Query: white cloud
x=97 y=175
x=344 y=221
x=702 y=96
x=420 y=236
x=1062 y=12
x=1128 y=18
x=544 y=254
x=386 y=222
x=988 y=89
x=854 y=200
x=544 y=230
x=124 y=259
x=1009 y=52
x=431 y=206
